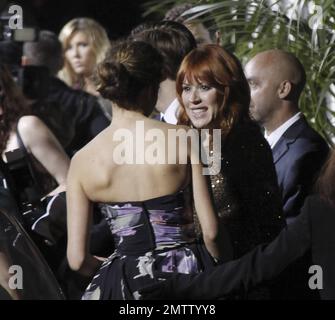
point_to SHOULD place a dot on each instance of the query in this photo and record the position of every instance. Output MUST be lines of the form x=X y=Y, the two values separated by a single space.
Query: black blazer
x=312 y=229
x=78 y=112
x=298 y=156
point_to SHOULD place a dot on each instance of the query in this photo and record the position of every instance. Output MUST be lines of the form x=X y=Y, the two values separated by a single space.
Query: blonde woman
x=85 y=43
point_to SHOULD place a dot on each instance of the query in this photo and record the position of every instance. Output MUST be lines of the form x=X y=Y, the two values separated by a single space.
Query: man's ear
x=284 y=89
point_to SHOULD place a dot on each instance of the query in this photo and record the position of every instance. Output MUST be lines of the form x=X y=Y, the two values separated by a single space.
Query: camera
x=17 y=35
x=20 y=179
x=33 y=80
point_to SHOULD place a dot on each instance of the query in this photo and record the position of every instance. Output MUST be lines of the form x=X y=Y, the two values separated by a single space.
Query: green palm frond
x=248 y=27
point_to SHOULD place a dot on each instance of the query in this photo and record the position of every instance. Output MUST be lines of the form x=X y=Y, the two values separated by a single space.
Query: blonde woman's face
x=80 y=54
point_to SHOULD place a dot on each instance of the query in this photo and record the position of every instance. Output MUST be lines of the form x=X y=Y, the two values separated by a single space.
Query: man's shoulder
x=302 y=136
x=67 y=96
x=303 y=130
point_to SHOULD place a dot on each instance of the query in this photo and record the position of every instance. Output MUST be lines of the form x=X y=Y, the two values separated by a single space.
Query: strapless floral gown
x=152 y=235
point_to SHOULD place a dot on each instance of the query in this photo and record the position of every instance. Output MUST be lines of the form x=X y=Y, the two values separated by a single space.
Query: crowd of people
x=244 y=209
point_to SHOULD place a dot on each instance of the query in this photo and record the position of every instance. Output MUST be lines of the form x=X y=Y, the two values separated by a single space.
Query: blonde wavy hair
x=97 y=37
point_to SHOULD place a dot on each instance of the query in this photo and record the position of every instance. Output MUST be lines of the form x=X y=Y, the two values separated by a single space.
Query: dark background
x=117 y=16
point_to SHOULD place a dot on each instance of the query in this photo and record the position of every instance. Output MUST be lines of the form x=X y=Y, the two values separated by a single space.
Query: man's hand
x=163 y=289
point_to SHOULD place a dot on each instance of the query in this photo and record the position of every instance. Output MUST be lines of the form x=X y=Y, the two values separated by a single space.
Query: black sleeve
x=301 y=179
x=82 y=112
x=262 y=194
x=89 y=123
x=253 y=177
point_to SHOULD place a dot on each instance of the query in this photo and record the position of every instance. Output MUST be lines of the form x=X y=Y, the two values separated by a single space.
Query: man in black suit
x=276 y=80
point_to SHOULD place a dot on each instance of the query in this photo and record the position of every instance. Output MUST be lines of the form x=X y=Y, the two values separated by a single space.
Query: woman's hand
x=102 y=259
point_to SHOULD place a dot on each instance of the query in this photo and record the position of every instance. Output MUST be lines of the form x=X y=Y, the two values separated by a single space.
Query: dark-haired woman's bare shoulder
x=27 y=124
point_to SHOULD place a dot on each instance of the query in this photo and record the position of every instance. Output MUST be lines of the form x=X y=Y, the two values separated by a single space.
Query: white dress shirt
x=170 y=115
x=276 y=135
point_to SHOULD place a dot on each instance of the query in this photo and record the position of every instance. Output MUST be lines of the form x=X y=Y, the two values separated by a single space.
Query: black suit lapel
x=289 y=137
x=280 y=149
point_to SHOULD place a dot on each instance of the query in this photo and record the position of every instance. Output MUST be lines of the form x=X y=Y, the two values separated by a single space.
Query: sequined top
x=245 y=191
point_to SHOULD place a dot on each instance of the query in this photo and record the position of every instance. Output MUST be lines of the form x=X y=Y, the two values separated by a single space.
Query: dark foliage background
x=117 y=16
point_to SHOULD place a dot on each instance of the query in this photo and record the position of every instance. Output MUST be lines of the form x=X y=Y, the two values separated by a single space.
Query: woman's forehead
x=79 y=35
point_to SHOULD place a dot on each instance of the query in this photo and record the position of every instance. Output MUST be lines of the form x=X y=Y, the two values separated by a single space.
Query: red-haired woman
x=214 y=94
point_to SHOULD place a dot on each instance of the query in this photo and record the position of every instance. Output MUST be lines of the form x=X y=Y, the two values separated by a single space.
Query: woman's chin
x=200 y=123
x=81 y=71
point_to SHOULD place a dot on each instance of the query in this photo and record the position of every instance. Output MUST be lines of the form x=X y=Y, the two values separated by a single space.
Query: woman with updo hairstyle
x=214 y=94
x=85 y=44
x=121 y=80
x=147 y=201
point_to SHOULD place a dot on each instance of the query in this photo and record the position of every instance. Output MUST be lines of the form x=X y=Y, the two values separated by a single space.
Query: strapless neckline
x=159 y=199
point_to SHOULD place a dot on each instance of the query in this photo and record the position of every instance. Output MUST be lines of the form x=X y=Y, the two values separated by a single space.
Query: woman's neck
x=120 y=112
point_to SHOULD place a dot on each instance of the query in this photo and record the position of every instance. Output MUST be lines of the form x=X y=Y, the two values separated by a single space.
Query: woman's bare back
x=118 y=165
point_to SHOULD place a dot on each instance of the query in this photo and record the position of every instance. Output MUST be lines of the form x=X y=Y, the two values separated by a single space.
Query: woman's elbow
x=211 y=236
x=213 y=243
x=76 y=261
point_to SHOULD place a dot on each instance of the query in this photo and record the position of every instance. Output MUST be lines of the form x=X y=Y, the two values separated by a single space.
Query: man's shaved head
x=276 y=78
x=283 y=66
